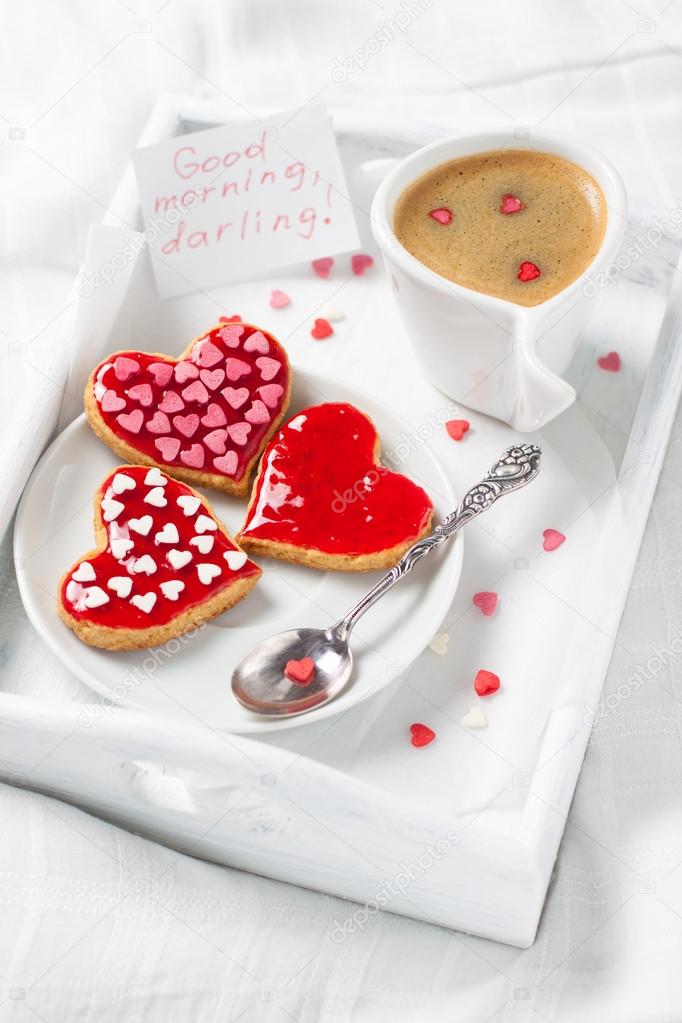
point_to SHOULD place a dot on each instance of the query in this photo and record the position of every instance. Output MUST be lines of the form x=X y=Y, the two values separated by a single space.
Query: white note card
x=237 y=201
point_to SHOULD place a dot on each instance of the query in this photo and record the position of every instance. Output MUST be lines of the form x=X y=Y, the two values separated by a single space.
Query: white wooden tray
x=465 y=831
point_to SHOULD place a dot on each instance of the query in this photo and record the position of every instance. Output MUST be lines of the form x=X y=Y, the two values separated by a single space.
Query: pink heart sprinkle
x=235 y=397
x=213 y=378
x=196 y=392
x=552 y=539
x=111 y=402
x=207 y=354
x=187 y=425
x=168 y=446
x=194 y=458
x=279 y=299
x=227 y=464
x=142 y=393
x=269 y=368
x=125 y=367
x=323 y=267
x=510 y=204
x=185 y=371
x=215 y=441
x=231 y=335
x=257 y=342
x=239 y=432
x=486 y=600
x=131 y=421
x=161 y=371
x=215 y=416
x=257 y=413
x=610 y=362
x=172 y=402
x=159 y=423
x=271 y=393
x=361 y=262
x=442 y=215
x=236 y=368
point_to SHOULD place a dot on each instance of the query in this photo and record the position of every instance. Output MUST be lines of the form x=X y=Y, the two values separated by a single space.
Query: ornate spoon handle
x=517 y=466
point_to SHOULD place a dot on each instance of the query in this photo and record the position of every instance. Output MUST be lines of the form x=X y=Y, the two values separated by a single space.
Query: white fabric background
x=97 y=924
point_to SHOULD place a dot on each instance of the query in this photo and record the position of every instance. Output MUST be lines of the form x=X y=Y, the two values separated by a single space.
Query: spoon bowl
x=259 y=682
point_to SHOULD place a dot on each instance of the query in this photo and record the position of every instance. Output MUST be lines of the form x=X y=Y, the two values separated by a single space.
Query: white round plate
x=192 y=675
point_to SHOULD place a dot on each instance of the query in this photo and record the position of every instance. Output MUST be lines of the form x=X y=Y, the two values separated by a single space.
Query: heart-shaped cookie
x=205 y=417
x=163 y=564
x=322 y=498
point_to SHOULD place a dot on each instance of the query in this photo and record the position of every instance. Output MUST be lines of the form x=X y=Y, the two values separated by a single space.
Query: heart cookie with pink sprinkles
x=163 y=564
x=205 y=417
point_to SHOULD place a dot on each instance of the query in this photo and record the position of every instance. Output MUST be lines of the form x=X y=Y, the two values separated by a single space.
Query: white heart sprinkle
x=85 y=573
x=122 y=482
x=156 y=497
x=169 y=534
x=189 y=503
x=203 y=524
x=73 y=591
x=155 y=478
x=95 y=596
x=144 y=564
x=179 y=559
x=144 y=601
x=439 y=643
x=111 y=509
x=207 y=572
x=204 y=544
x=121 y=585
x=120 y=547
x=475 y=718
x=332 y=313
x=172 y=589
x=235 y=559
x=143 y=525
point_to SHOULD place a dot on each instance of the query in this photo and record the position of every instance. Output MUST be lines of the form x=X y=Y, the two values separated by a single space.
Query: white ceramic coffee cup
x=489 y=354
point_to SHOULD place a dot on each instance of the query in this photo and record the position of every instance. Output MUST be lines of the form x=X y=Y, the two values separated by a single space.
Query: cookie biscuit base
x=313 y=557
x=195 y=477
x=107 y=638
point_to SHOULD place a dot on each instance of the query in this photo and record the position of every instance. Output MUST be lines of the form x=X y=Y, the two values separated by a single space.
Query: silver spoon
x=259 y=682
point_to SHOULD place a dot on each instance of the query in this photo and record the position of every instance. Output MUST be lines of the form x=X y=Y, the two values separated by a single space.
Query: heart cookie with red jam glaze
x=322 y=497
x=205 y=417
x=163 y=564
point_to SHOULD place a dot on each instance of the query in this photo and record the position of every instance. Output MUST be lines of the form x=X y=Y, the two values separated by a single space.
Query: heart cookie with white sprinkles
x=164 y=564
x=205 y=417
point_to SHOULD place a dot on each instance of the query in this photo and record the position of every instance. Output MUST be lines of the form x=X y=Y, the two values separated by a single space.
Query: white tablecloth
x=99 y=924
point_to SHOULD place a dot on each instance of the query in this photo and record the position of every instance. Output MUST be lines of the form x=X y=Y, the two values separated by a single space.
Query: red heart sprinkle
x=422 y=735
x=321 y=330
x=323 y=267
x=486 y=600
x=486 y=682
x=552 y=539
x=457 y=428
x=528 y=271
x=610 y=362
x=230 y=319
x=510 y=204
x=300 y=672
x=360 y=262
x=442 y=215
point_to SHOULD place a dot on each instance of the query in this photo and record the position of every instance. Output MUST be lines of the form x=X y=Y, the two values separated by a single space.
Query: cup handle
x=535 y=395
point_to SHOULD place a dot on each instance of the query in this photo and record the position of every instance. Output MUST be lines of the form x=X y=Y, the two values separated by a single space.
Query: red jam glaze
x=118 y=612
x=209 y=411
x=320 y=487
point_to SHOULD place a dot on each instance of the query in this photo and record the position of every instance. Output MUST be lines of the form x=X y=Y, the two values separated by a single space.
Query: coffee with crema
x=517 y=224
